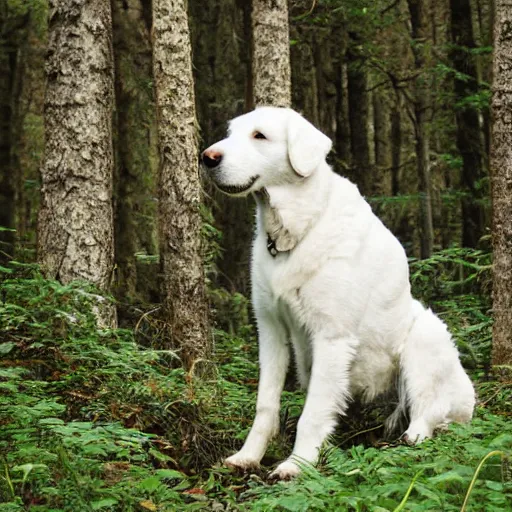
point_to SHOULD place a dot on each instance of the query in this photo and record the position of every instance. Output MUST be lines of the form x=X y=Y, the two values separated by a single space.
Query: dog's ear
x=307 y=146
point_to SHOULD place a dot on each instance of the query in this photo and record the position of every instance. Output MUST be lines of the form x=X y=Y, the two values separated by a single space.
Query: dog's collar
x=271 y=246
x=264 y=199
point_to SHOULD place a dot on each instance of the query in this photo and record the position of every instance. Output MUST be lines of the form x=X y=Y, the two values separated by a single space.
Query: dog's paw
x=414 y=436
x=419 y=430
x=242 y=463
x=285 y=471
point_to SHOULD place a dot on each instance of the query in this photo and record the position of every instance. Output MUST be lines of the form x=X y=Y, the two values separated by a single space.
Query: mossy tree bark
x=271 y=53
x=501 y=183
x=75 y=231
x=180 y=222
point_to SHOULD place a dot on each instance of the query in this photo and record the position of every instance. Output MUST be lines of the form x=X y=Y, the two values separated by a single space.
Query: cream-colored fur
x=337 y=290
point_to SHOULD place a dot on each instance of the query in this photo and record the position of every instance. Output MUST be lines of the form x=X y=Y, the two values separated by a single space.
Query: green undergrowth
x=92 y=420
x=437 y=474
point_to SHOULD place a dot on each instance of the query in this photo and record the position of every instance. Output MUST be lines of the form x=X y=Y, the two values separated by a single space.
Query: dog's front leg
x=274 y=359
x=327 y=397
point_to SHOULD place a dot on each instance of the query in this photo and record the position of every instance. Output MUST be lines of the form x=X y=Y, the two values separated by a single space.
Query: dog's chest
x=279 y=289
x=272 y=273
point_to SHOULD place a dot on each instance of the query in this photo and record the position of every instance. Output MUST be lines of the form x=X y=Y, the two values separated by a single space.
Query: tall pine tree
x=501 y=180
x=75 y=231
x=185 y=305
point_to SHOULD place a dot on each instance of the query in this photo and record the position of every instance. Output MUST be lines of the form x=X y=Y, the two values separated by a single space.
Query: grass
x=92 y=420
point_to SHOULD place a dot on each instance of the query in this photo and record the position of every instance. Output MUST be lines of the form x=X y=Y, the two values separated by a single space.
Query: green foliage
x=456 y=282
x=211 y=238
x=14 y=16
x=89 y=420
x=70 y=395
x=479 y=101
x=433 y=476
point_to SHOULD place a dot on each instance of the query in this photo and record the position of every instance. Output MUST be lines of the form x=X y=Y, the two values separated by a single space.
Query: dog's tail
x=397 y=418
x=432 y=384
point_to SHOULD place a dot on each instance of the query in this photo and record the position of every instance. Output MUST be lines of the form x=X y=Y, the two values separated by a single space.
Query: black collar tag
x=271 y=247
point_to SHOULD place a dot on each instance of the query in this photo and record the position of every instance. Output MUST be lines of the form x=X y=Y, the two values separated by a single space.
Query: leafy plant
x=90 y=420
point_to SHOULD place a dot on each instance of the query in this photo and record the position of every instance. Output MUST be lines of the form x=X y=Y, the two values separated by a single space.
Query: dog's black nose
x=211 y=158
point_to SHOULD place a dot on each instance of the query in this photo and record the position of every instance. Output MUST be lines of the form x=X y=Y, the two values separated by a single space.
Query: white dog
x=328 y=276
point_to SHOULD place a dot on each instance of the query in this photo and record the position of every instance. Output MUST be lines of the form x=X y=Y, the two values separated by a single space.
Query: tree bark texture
x=420 y=16
x=501 y=183
x=469 y=136
x=179 y=187
x=271 y=53
x=136 y=154
x=75 y=232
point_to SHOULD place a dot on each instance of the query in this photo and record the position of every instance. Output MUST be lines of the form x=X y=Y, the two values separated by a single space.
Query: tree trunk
x=75 y=221
x=342 y=140
x=358 y=115
x=469 y=139
x=27 y=131
x=419 y=10
x=326 y=52
x=424 y=180
x=180 y=223
x=382 y=141
x=396 y=144
x=304 y=73
x=501 y=183
x=271 y=53
x=136 y=152
x=8 y=59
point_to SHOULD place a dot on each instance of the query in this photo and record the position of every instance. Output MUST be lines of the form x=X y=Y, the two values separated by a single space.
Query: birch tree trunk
x=271 y=53
x=501 y=183
x=75 y=231
x=179 y=188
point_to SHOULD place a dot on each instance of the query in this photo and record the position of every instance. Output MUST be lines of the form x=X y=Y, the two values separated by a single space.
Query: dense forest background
x=382 y=80
x=138 y=417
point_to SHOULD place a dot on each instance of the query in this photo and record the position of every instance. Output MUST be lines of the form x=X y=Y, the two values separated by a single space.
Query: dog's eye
x=258 y=135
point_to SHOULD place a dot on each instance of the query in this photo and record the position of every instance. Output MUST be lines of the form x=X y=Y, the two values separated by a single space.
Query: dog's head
x=266 y=147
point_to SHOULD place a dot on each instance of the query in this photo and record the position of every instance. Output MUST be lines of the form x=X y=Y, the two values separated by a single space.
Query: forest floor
x=102 y=420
